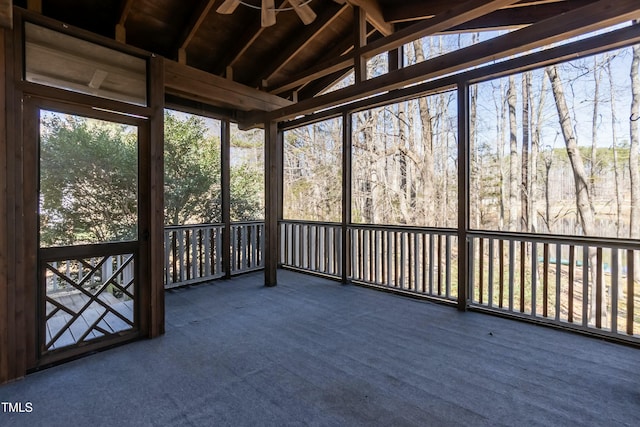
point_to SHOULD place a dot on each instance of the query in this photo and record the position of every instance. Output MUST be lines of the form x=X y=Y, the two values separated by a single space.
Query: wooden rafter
x=374 y=15
x=457 y=15
x=324 y=21
x=514 y=17
x=415 y=10
x=579 y=21
x=249 y=37
x=197 y=18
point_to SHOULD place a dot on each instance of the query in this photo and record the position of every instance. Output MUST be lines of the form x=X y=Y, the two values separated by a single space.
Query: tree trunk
x=634 y=154
x=513 y=155
x=524 y=185
x=581 y=180
x=594 y=126
x=427 y=172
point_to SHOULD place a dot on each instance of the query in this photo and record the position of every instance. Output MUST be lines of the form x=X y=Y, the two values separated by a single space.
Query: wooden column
x=272 y=177
x=464 y=274
x=5 y=374
x=347 y=133
x=225 y=184
x=156 y=206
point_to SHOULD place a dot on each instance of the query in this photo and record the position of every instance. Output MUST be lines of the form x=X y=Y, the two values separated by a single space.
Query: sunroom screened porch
x=459 y=264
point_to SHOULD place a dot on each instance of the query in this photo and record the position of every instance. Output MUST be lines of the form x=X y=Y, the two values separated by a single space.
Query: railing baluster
x=512 y=262
x=599 y=288
x=490 y=272
x=614 y=290
x=448 y=266
x=480 y=270
x=545 y=281
x=630 y=291
x=501 y=273
x=523 y=256
x=572 y=261
x=585 y=285
x=534 y=278
x=558 y=306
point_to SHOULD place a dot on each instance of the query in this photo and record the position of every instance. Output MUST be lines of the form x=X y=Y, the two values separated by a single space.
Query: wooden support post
x=360 y=40
x=464 y=275
x=395 y=59
x=272 y=173
x=156 y=199
x=5 y=374
x=225 y=178
x=346 y=195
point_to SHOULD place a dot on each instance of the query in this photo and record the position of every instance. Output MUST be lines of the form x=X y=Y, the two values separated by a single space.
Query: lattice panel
x=88 y=298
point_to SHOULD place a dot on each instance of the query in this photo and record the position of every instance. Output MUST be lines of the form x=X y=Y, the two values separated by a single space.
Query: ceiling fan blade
x=268 y=17
x=228 y=6
x=306 y=14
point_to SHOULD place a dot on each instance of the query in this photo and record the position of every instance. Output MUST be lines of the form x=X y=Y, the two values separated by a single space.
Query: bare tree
x=581 y=180
x=513 y=155
x=634 y=151
x=524 y=186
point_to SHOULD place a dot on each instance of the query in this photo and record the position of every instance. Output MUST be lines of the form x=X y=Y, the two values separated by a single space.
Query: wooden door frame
x=34 y=310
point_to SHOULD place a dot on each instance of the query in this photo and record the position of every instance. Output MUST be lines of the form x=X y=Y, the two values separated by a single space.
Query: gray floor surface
x=314 y=352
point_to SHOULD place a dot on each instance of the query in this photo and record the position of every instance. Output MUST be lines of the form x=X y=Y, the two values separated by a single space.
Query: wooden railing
x=574 y=282
x=409 y=259
x=194 y=253
x=311 y=246
x=247 y=246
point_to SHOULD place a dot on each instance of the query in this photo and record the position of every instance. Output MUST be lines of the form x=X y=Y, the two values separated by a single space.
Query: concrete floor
x=314 y=352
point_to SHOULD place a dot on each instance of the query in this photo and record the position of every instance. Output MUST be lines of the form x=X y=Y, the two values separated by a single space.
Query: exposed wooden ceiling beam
x=456 y=15
x=250 y=35
x=197 y=18
x=6 y=13
x=415 y=10
x=583 y=20
x=374 y=15
x=328 y=16
x=198 y=85
x=519 y=16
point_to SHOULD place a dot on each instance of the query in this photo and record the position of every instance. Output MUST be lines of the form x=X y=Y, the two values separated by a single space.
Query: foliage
x=88 y=181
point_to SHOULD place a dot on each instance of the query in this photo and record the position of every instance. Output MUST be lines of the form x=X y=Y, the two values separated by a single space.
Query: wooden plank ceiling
x=289 y=59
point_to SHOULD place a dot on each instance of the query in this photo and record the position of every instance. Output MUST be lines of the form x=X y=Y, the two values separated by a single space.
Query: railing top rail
x=432 y=230
x=302 y=221
x=209 y=225
x=564 y=239
x=385 y=227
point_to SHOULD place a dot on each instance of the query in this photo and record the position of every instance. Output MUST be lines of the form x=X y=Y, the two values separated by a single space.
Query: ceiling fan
x=268 y=8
